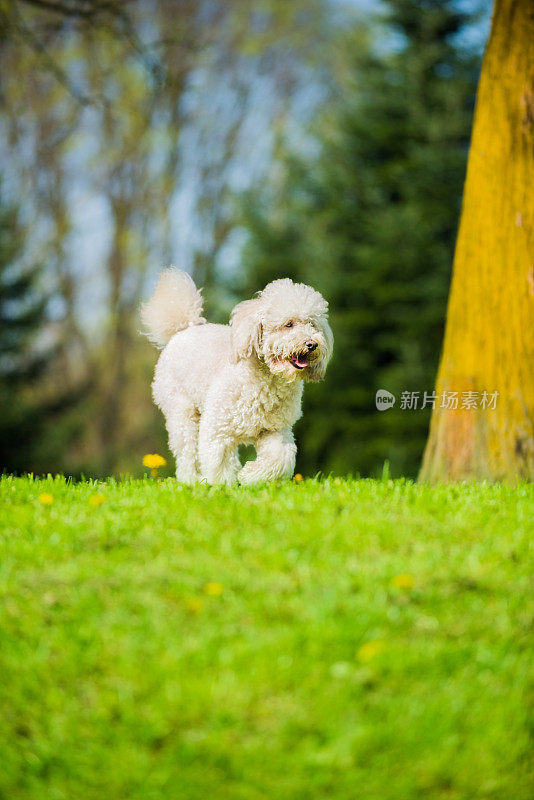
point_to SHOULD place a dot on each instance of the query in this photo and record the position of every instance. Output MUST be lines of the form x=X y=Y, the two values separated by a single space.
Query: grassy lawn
x=333 y=640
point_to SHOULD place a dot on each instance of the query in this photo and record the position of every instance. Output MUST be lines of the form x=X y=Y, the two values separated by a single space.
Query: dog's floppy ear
x=317 y=370
x=246 y=329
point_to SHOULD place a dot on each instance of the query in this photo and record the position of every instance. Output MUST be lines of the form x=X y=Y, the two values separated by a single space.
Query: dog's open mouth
x=299 y=360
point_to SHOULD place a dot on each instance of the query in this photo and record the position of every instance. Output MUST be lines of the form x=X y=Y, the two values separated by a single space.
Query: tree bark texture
x=489 y=336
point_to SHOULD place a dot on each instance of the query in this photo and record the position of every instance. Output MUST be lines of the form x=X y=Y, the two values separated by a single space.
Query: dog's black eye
x=289 y=324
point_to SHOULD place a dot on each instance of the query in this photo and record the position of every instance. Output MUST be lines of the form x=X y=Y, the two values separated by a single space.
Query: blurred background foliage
x=318 y=139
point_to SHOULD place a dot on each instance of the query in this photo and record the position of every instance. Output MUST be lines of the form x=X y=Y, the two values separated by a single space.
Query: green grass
x=122 y=678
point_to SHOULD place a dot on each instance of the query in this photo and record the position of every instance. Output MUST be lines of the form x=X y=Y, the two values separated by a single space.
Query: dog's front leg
x=276 y=453
x=219 y=462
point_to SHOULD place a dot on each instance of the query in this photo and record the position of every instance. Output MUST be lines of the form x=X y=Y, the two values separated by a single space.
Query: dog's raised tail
x=176 y=304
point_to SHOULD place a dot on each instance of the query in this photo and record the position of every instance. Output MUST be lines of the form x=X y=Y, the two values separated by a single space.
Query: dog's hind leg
x=182 y=426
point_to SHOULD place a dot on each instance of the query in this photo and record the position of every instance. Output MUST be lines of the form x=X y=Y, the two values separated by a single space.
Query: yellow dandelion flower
x=370 y=650
x=403 y=582
x=298 y=477
x=46 y=499
x=96 y=500
x=153 y=461
x=194 y=604
x=213 y=588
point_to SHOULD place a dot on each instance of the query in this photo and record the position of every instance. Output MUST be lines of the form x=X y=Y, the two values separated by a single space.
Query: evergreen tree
x=371 y=223
x=22 y=316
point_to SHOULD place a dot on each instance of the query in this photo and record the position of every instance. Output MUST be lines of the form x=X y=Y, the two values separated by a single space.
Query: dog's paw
x=255 y=472
x=225 y=477
x=250 y=474
x=188 y=478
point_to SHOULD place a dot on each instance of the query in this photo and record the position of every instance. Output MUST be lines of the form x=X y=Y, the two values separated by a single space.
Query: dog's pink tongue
x=302 y=361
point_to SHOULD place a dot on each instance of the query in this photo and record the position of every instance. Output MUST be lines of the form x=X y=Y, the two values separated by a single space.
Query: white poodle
x=224 y=385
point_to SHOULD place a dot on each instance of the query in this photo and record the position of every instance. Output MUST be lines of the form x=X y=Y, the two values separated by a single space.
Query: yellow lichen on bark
x=489 y=336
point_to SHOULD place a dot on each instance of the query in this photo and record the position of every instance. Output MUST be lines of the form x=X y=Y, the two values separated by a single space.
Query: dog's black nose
x=311 y=345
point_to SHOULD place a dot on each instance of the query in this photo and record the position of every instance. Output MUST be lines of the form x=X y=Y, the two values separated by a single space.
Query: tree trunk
x=489 y=336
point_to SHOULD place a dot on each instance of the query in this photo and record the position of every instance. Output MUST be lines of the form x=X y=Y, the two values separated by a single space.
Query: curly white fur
x=219 y=386
x=176 y=304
